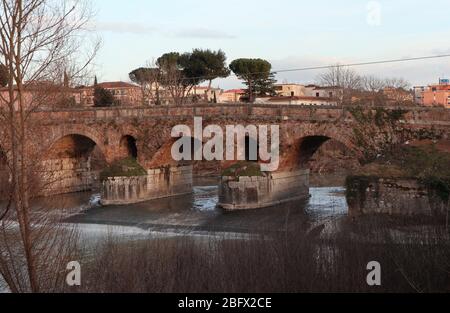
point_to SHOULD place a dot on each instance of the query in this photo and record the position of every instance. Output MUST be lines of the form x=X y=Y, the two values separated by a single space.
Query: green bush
x=243 y=169
x=103 y=97
x=124 y=168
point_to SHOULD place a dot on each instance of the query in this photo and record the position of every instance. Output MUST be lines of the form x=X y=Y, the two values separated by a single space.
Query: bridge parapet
x=258 y=111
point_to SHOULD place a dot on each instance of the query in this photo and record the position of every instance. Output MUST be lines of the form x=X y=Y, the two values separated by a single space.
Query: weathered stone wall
x=159 y=183
x=259 y=192
x=66 y=175
x=372 y=195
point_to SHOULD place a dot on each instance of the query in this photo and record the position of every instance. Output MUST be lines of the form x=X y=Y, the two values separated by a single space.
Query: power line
x=333 y=66
x=363 y=63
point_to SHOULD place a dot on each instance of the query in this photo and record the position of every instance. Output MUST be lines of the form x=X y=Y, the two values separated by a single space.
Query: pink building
x=231 y=96
x=437 y=95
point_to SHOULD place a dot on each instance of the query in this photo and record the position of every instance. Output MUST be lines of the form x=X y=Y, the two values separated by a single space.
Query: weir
x=158 y=183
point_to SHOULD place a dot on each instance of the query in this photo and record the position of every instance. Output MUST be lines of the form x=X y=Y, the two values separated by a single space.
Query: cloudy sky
x=288 y=33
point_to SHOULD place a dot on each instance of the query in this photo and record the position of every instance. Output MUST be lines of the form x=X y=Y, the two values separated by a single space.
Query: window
x=317 y=94
x=331 y=94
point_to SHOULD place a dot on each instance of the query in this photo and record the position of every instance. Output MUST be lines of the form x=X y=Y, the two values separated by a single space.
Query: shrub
x=103 y=97
x=124 y=168
x=243 y=169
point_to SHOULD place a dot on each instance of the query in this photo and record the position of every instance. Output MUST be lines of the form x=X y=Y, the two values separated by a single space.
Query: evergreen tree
x=103 y=97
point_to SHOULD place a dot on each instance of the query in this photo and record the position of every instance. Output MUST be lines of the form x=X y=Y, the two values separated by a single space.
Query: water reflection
x=198 y=212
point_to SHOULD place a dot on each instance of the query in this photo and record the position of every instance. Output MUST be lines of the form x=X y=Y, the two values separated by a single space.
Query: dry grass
x=284 y=262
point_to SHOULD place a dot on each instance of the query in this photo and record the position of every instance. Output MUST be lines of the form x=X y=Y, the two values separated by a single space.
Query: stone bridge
x=76 y=142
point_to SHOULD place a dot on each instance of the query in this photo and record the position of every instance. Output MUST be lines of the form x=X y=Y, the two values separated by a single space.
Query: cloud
x=142 y=29
x=121 y=27
x=203 y=33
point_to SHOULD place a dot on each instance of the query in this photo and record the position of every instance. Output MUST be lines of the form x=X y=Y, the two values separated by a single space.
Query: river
x=196 y=214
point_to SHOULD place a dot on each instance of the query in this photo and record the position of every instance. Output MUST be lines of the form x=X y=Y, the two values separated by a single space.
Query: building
x=437 y=95
x=43 y=95
x=298 y=90
x=324 y=92
x=125 y=94
x=418 y=94
x=290 y=90
x=205 y=93
x=230 y=96
x=304 y=101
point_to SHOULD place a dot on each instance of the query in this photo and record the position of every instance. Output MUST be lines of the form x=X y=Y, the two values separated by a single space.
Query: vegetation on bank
x=128 y=167
x=379 y=116
x=243 y=169
x=292 y=261
x=426 y=163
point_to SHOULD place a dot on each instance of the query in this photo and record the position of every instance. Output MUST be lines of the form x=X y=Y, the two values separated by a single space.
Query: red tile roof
x=116 y=85
x=302 y=98
x=235 y=91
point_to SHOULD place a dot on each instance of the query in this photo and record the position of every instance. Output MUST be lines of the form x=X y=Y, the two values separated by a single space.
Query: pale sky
x=288 y=33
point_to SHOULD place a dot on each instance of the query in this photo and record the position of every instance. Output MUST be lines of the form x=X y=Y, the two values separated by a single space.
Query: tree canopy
x=144 y=75
x=256 y=74
x=103 y=97
x=208 y=64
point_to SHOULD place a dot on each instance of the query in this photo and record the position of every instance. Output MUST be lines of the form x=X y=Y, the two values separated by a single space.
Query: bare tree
x=149 y=79
x=372 y=83
x=40 y=44
x=397 y=83
x=343 y=77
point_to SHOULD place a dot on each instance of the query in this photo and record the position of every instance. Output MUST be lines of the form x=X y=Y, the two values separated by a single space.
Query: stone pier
x=258 y=192
x=67 y=175
x=158 y=183
x=392 y=196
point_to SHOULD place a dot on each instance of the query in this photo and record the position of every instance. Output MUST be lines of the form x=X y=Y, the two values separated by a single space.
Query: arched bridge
x=80 y=140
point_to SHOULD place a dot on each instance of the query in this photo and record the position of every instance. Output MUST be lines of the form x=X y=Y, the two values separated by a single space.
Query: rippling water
x=196 y=214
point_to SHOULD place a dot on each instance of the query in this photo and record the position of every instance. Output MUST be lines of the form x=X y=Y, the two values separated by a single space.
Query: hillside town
x=126 y=93
x=130 y=94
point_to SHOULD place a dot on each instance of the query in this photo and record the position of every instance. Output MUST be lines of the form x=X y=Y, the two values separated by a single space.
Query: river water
x=196 y=214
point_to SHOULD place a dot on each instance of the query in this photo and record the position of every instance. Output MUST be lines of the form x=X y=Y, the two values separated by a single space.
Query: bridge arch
x=71 y=164
x=163 y=155
x=303 y=144
x=58 y=133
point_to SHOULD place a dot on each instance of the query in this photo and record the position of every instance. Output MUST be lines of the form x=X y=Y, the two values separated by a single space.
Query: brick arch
x=305 y=140
x=61 y=132
x=163 y=156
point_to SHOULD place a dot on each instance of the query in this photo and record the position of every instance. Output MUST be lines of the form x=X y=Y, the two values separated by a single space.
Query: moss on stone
x=243 y=169
x=426 y=164
x=128 y=167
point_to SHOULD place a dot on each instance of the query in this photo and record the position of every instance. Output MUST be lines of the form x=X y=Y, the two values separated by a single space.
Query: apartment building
x=125 y=94
x=230 y=96
x=437 y=95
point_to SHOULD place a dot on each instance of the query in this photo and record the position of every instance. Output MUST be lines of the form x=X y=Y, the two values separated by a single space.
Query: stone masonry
x=265 y=191
x=159 y=183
